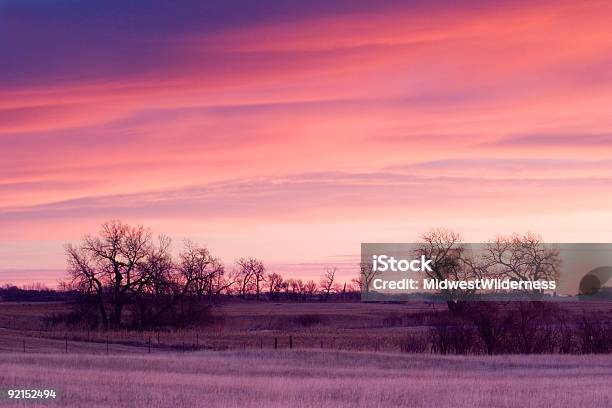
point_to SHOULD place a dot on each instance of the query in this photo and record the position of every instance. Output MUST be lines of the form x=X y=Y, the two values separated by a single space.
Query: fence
x=111 y=343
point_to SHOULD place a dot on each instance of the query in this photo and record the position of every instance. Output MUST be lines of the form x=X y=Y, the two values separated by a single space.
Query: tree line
x=517 y=257
x=125 y=276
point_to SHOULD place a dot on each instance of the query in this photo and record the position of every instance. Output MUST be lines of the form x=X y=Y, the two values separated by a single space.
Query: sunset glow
x=293 y=132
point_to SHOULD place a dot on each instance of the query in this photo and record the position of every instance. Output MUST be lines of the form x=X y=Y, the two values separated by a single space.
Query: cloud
x=554 y=140
x=321 y=196
x=504 y=167
x=303 y=116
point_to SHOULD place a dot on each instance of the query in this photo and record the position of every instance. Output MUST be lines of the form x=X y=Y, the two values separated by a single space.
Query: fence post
x=24 y=348
x=107 y=344
x=290 y=342
x=149 y=344
x=321 y=344
x=197 y=341
x=275 y=343
x=66 y=344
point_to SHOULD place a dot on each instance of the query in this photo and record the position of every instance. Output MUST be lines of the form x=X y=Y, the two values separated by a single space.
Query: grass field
x=308 y=378
x=243 y=325
x=236 y=325
x=344 y=355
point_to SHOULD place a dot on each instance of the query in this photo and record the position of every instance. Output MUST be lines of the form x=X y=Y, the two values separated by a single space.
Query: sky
x=293 y=131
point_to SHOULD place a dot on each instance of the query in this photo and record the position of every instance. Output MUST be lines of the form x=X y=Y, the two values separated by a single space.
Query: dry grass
x=313 y=379
x=238 y=325
x=303 y=377
x=244 y=325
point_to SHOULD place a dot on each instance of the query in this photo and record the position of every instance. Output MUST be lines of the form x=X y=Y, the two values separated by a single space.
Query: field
x=310 y=378
x=235 y=325
x=245 y=325
x=342 y=355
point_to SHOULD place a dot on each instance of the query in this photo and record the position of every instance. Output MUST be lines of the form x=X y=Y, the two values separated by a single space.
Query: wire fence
x=110 y=343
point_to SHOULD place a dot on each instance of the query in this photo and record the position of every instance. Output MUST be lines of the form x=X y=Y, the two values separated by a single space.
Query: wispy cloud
x=577 y=140
x=323 y=122
x=508 y=167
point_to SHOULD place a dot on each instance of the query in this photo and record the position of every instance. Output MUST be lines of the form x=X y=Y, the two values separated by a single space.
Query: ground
x=343 y=355
x=235 y=325
x=312 y=378
x=244 y=325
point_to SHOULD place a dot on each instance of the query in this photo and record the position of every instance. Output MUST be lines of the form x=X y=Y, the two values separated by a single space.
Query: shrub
x=452 y=337
x=595 y=334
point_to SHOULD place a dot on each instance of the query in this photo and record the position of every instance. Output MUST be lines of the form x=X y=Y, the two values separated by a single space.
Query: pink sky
x=297 y=135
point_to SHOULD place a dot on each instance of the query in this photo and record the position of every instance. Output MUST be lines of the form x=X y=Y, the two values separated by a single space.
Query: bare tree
x=301 y=287
x=357 y=284
x=230 y=282
x=310 y=288
x=524 y=258
x=450 y=261
x=295 y=287
x=123 y=268
x=203 y=270
x=275 y=284
x=366 y=276
x=252 y=271
x=112 y=260
x=158 y=267
x=159 y=288
x=284 y=286
x=87 y=278
x=327 y=281
x=169 y=284
x=221 y=281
